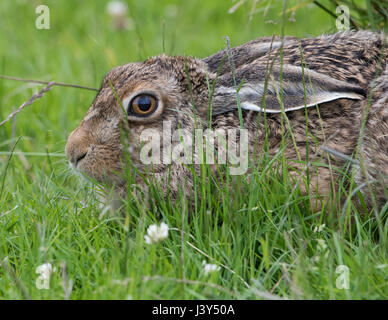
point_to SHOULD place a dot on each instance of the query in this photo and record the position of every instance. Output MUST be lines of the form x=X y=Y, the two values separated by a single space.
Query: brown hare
x=338 y=82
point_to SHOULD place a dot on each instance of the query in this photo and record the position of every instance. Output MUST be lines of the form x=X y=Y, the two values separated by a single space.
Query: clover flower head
x=156 y=233
x=209 y=267
x=116 y=8
x=319 y=228
x=45 y=270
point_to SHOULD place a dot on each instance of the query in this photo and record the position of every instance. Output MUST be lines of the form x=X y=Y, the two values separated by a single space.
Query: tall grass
x=259 y=228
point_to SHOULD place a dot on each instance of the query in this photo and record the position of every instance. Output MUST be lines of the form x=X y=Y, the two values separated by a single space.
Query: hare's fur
x=348 y=75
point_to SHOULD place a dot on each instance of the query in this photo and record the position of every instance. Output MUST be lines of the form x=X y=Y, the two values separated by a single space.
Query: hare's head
x=135 y=100
x=140 y=100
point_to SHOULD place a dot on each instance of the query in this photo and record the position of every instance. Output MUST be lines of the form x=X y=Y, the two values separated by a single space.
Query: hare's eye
x=143 y=105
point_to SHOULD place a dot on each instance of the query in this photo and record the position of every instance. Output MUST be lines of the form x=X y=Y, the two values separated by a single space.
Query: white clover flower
x=209 y=267
x=319 y=228
x=156 y=233
x=117 y=8
x=45 y=269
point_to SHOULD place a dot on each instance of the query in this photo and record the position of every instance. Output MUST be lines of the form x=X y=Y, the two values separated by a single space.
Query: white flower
x=156 y=233
x=319 y=228
x=117 y=8
x=208 y=267
x=118 y=12
x=45 y=269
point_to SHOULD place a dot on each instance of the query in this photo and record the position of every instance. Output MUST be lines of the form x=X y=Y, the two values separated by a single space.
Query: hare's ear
x=241 y=55
x=260 y=90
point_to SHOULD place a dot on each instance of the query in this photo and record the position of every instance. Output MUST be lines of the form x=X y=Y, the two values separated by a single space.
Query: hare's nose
x=76 y=148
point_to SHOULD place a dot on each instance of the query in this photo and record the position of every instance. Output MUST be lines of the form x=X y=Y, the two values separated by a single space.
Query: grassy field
x=265 y=239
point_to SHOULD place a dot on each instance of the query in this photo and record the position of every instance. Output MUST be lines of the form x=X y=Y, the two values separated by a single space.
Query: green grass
x=263 y=235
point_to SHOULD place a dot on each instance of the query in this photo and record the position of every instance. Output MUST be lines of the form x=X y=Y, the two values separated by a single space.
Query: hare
x=339 y=82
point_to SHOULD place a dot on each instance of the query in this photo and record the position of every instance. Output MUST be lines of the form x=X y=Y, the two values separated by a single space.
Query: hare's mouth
x=79 y=159
x=96 y=172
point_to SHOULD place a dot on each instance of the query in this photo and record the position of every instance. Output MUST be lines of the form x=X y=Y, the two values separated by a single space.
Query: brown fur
x=346 y=62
